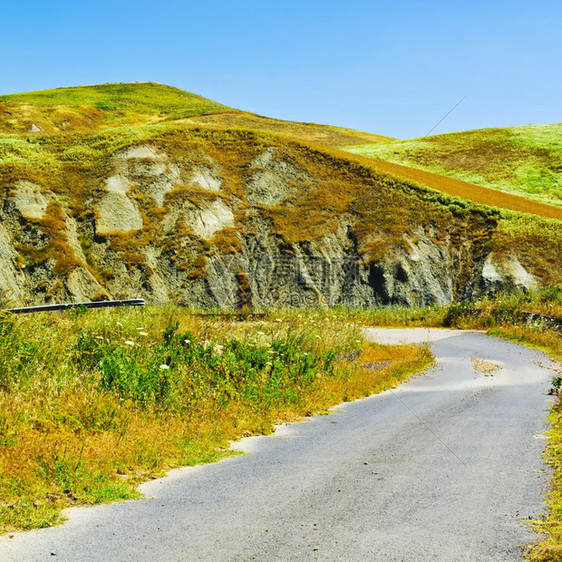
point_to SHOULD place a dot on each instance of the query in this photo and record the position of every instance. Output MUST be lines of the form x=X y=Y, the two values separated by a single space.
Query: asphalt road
x=446 y=467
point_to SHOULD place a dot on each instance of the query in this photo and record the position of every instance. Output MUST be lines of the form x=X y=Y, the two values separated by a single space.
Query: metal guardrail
x=68 y=306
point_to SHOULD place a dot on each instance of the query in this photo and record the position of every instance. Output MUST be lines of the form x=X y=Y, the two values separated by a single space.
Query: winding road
x=447 y=466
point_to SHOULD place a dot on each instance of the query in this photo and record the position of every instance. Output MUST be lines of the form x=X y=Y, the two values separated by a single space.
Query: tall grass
x=94 y=402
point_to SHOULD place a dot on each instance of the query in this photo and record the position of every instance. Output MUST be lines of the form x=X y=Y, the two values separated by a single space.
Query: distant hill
x=524 y=161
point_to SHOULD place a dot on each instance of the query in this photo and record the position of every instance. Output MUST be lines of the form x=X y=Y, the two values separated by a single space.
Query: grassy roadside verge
x=94 y=402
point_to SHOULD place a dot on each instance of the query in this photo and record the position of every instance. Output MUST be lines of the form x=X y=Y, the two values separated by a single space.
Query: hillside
x=230 y=210
x=93 y=108
x=324 y=135
x=525 y=161
x=86 y=109
x=459 y=188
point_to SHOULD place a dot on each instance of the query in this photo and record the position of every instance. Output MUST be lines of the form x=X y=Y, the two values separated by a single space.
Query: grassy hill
x=459 y=188
x=434 y=162
x=91 y=108
x=141 y=190
x=325 y=135
x=524 y=161
x=141 y=97
x=86 y=109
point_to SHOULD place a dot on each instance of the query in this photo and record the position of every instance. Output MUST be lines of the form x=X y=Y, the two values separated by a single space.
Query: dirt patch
x=486 y=367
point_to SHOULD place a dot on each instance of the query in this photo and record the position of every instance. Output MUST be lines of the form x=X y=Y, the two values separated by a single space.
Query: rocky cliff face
x=246 y=224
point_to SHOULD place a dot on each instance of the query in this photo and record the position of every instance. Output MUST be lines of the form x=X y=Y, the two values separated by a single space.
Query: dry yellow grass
x=486 y=367
x=324 y=135
x=72 y=434
x=462 y=189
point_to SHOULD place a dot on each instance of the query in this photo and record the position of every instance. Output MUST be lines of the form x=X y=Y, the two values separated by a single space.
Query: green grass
x=85 y=109
x=524 y=161
x=94 y=402
x=499 y=312
x=141 y=97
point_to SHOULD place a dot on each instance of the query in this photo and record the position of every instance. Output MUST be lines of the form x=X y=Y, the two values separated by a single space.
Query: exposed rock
x=82 y=285
x=273 y=180
x=149 y=170
x=118 y=184
x=118 y=213
x=173 y=252
x=500 y=274
x=29 y=199
x=204 y=177
x=12 y=279
x=521 y=278
x=211 y=218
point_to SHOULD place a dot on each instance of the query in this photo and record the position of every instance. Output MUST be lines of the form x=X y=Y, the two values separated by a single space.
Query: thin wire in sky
x=396 y=164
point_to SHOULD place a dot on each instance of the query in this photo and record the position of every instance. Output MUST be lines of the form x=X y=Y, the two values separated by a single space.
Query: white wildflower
x=143 y=334
x=186 y=341
x=129 y=342
x=164 y=367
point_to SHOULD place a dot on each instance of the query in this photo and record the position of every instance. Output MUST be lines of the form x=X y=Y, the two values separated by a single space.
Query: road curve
x=445 y=467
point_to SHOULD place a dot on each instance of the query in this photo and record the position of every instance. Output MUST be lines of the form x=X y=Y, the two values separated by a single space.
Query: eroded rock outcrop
x=197 y=232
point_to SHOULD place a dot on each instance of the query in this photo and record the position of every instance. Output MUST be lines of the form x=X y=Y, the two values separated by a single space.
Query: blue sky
x=394 y=68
